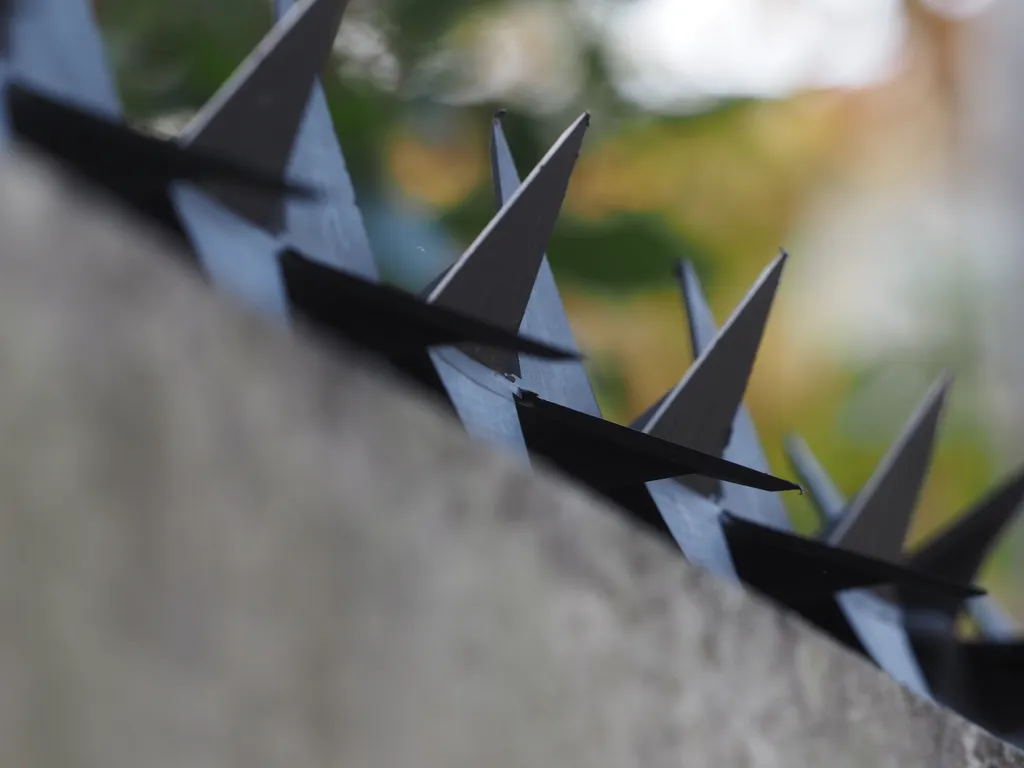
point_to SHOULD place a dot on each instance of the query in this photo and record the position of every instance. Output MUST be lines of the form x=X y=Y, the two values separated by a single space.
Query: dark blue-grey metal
x=255 y=119
x=880 y=627
x=699 y=412
x=136 y=167
x=391 y=322
x=829 y=501
x=876 y=521
x=506 y=256
x=705 y=409
x=692 y=516
x=886 y=506
x=799 y=572
x=55 y=48
x=329 y=229
x=958 y=551
x=565 y=383
x=494 y=279
x=744 y=446
x=610 y=457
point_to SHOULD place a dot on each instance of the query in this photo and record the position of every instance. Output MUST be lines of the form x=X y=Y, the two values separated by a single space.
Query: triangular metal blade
x=545 y=318
x=792 y=569
x=135 y=167
x=388 y=320
x=876 y=521
x=744 y=447
x=329 y=229
x=702 y=325
x=828 y=500
x=494 y=278
x=958 y=551
x=605 y=455
x=55 y=47
x=504 y=174
x=700 y=409
x=880 y=627
x=254 y=118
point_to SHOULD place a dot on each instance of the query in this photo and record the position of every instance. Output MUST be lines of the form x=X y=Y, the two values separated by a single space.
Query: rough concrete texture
x=221 y=546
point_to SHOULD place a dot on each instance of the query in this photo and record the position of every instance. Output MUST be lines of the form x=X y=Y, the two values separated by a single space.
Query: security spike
x=714 y=388
x=744 y=446
x=992 y=622
x=135 y=167
x=700 y=409
x=254 y=118
x=386 y=320
x=880 y=627
x=55 y=48
x=504 y=173
x=700 y=320
x=494 y=278
x=608 y=456
x=958 y=551
x=329 y=229
x=876 y=521
x=828 y=499
x=793 y=569
x=545 y=318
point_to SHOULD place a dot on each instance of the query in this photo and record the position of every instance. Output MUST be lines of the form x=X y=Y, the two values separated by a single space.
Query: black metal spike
x=255 y=117
x=876 y=521
x=389 y=321
x=545 y=318
x=136 y=168
x=958 y=551
x=793 y=569
x=329 y=229
x=494 y=278
x=608 y=457
x=699 y=411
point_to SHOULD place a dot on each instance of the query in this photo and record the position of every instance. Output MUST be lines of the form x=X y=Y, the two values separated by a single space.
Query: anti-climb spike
x=876 y=521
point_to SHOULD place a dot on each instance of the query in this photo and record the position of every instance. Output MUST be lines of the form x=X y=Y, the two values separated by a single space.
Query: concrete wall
x=220 y=546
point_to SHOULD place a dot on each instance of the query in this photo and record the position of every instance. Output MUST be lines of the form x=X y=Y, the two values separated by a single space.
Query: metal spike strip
x=258 y=189
x=774 y=570
x=929 y=623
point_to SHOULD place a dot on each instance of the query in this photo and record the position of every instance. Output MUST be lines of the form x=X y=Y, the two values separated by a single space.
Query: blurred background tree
x=876 y=139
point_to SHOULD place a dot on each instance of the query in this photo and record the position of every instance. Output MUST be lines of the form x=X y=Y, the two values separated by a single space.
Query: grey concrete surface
x=222 y=547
